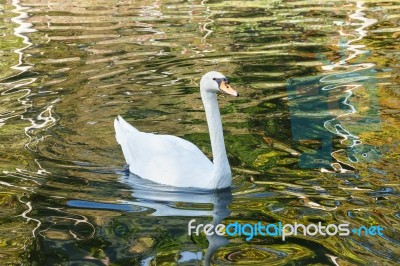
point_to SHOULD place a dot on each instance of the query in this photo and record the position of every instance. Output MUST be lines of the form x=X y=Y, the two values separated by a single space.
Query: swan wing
x=164 y=159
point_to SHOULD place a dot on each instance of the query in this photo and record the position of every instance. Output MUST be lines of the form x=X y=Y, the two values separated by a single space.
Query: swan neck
x=220 y=159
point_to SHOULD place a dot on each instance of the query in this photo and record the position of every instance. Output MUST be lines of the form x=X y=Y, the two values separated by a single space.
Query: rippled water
x=314 y=136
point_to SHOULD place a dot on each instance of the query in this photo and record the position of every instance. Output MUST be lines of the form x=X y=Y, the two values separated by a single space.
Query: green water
x=313 y=138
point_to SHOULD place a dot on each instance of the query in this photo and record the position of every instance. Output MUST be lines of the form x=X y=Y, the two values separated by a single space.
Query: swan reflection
x=189 y=202
x=154 y=199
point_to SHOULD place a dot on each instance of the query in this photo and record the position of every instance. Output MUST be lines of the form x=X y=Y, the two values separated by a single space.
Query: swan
x=173 y=161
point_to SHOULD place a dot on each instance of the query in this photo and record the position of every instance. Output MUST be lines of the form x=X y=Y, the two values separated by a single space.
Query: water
x=313 y=137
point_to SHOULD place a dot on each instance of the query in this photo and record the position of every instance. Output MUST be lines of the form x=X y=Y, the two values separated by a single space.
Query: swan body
x=173 y=161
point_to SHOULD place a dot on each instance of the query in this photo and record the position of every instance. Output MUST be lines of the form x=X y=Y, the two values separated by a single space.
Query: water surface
x=313 y=137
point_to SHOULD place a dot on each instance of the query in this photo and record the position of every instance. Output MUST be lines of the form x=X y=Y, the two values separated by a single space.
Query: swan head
x=214 y=82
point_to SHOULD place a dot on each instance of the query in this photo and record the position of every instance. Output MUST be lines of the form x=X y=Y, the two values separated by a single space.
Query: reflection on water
x=313 y=138
x=171 y=201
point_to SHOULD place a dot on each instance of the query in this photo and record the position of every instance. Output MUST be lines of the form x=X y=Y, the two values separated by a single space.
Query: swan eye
x=219 y=80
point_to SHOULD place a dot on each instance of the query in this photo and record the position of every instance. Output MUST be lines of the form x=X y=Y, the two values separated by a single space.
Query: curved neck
x=220 y=160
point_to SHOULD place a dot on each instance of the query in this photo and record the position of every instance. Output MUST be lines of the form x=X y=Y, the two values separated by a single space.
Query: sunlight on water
x=313 y=137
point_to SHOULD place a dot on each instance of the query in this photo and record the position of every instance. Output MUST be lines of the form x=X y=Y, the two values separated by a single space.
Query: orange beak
x=225 y=87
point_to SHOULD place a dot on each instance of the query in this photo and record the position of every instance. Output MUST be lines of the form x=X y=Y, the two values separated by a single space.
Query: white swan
x=173 y=161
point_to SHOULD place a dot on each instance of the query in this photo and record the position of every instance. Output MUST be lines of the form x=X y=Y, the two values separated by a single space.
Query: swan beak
x=225 y=87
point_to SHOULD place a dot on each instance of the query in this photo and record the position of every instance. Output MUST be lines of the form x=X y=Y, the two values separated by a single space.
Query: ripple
x=257 y=255
x=104 y=206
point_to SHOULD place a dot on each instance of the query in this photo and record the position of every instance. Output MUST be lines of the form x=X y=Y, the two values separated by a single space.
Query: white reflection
x=20 y=31
x=350 y=51
x=188 y=202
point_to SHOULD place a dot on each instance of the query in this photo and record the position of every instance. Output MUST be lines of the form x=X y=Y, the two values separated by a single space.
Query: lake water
x=314 y=136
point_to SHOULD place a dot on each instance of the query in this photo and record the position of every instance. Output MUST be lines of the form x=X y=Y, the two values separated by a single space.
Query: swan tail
x=122 y=132
x=118 y=131
x=122 y=128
